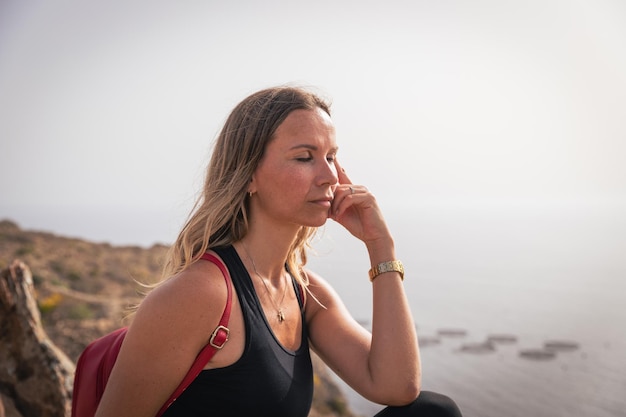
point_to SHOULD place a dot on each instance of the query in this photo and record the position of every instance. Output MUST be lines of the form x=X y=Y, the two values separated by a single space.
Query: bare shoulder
x=186 y=307
x=202 y=281
x=323 y=295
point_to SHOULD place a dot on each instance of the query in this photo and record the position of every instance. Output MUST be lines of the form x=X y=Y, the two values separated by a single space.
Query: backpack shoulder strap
x=218 y=339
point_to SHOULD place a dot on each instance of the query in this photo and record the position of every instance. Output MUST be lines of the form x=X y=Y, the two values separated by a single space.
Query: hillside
x=85 y=289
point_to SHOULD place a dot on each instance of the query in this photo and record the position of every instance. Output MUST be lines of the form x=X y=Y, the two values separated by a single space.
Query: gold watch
x=388 y=266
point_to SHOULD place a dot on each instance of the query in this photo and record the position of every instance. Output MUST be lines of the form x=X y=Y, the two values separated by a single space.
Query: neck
x=268 y=260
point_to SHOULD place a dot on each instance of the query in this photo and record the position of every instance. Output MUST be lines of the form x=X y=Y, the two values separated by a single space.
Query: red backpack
x=96 y=361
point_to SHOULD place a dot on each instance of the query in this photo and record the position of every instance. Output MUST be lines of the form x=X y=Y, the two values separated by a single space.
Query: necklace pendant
x=280 y=315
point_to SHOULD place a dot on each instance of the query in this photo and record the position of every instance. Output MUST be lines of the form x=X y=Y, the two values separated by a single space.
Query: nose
x=328 y=174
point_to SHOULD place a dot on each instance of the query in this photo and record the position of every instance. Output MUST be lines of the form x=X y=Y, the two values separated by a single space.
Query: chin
x=315 y=222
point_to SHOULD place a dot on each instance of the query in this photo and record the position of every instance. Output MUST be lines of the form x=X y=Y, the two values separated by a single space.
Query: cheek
x=282 y=181
x=294 y=181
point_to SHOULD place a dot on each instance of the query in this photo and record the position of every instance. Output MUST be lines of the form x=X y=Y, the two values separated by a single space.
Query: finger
x=341 y=174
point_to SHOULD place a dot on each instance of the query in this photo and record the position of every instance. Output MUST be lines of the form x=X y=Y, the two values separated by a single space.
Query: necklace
x=279 y=310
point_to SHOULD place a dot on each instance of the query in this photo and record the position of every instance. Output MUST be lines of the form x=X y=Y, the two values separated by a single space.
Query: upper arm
x=171 y=326
x=341 y=342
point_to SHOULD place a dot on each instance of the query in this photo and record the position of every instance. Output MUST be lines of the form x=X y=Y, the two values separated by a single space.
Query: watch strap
x=389 y=266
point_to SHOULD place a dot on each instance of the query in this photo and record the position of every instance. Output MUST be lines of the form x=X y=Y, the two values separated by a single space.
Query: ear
x=252 y=186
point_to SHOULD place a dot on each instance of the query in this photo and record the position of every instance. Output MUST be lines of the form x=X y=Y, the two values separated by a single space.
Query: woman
x=272 y=180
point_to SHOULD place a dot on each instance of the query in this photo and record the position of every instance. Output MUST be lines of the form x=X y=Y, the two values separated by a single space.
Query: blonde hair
x=220 y=215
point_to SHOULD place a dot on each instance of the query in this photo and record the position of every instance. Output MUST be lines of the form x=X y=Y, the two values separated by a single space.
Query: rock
x=328 y=399
x=7 y=408
x=34 y=373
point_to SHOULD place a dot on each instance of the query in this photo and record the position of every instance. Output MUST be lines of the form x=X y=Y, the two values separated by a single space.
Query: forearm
x=393 y=362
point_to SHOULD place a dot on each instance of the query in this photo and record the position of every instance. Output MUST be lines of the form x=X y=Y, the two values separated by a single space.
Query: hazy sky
x=111 y=106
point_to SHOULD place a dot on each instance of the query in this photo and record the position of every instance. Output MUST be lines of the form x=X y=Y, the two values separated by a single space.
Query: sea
x=520 y=309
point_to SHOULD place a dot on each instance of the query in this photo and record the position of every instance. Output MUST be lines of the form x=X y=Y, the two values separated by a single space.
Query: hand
x=355 y=208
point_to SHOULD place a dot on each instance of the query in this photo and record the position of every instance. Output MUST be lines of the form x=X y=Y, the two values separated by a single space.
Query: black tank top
x=268 y=379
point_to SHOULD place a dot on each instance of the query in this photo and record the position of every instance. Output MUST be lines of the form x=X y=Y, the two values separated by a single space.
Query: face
x=296 y=178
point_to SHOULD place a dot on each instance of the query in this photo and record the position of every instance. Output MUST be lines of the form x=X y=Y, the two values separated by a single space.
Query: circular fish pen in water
x=452 y=332
x=480 y=347
x=428 y=340
x=502 y=338
x=537 y=354
x=560 y=345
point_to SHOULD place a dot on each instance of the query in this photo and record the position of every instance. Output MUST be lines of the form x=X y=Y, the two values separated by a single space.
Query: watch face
x=388 y=266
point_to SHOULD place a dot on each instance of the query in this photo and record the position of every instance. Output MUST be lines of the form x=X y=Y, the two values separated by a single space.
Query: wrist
x=381 y=250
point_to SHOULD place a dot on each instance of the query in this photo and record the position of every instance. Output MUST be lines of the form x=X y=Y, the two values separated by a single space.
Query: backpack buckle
x=219 y=337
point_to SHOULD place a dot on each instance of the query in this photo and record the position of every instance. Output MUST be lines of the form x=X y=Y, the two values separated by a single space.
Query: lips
x=325 y=201
x=325 y=198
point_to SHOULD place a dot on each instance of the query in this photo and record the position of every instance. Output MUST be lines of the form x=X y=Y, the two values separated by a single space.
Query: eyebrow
x=312 y=147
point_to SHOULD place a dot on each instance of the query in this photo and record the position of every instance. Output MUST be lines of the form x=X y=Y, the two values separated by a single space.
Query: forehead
x=308 y=126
